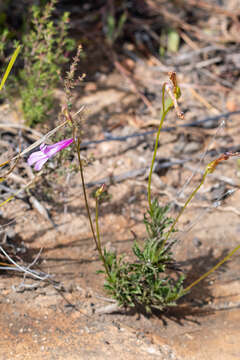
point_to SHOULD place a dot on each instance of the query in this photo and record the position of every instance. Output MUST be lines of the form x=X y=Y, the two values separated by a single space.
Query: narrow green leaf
x=173 y=41
x=10 y=65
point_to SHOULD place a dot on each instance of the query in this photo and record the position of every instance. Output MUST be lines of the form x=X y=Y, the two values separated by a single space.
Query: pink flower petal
x=43 y=147
x=36 y=156
x=51 y=150
x=39 y=164
x=46 y=151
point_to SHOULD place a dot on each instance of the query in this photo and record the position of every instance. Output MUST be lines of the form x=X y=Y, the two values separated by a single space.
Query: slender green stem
x=212 y=270
x=96 y=239
x=163 y=98
x=97 y=226
x=164 y=112
x=184 y=207
x=77 y=146
x=210 y=168
x=99 y=247
x=153 y=160
x=9 y=67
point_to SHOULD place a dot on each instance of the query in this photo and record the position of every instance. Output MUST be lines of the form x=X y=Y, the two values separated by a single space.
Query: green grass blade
x=10 y=65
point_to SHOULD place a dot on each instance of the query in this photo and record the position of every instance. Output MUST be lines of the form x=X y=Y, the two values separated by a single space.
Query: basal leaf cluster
x=144 y=282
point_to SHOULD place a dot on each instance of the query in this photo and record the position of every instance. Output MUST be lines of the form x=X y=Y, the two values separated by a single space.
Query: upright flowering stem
x=99 y=247
x=165 y=109
x=209 y=170
x=96 y=239
x=191 y=196
x=174 y=93
x=227 y=257
x=77 y=142
x=77 y=147
x=10 y=65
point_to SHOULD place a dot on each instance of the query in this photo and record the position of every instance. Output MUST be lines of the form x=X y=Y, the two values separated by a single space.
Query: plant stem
x=212 y=270
x=184 y=207
x=9 y=67
x=99 y=247
x=164 y=112
x=77 y=146
x=210 y=168
x=96 y=239
x=153 y=160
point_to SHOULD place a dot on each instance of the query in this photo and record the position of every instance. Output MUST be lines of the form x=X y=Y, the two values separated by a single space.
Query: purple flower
x=46 y=152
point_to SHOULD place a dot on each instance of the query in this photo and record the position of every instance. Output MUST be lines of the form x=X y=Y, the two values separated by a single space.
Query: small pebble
x=197 y=242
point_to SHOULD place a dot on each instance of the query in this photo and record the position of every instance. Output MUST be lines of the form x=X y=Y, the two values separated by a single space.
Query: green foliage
x=3 y=39
x=44 y=45
x=169 y=41
x=9 y=67
x=152 y=280
x=44 y=48
x=158 y=221
x=144 y=282
x=173 y=41
x=114 y=28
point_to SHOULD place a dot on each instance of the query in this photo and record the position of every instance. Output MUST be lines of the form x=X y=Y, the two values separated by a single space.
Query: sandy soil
x=65 y=321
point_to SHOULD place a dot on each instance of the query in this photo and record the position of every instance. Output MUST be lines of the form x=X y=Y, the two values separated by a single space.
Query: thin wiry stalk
x=210 y=168
x=77 y=143
x=77 y=146
x=99 y=240
x=164 y=112
x=10 y=65
x=227 y=257
x=191 y=196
